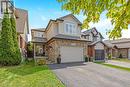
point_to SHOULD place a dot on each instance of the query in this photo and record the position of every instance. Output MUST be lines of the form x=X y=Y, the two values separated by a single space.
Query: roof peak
x=70 y=15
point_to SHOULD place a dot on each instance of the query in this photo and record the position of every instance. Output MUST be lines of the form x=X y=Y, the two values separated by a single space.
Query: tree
x=117 y=10
x=17 y=54
x=6 y=42
x=30 y=51
x=9 y=50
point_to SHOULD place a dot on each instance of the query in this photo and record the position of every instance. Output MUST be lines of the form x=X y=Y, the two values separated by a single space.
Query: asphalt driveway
x=90 y=75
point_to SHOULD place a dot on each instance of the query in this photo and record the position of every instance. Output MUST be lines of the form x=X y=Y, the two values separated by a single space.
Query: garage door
x=71 y=54
x=99 y=55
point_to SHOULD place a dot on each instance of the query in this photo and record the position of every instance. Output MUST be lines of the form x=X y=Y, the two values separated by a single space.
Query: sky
x=41 y=11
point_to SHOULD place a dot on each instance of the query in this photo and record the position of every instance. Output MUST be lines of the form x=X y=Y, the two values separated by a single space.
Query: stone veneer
x=55 y=44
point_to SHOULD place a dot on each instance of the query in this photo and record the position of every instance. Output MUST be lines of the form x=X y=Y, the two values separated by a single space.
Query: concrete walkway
x=118 y=63
x=90 y=75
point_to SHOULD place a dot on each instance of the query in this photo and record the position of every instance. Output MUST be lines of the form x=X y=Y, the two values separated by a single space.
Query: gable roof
x=71 y=15
x=122 y=40
x=21 y=20
x=61 y=19
x=124 y=45
x=87 y=32
x=51 y=22
x=109 y=44
x=94 y=43
x=120 y=43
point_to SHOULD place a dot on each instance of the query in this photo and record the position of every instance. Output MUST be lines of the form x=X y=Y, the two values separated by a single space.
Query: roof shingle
x=21 y=20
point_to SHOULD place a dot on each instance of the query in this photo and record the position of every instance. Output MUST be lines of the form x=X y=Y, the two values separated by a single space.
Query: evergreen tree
x=6 y=42
x=17 y=54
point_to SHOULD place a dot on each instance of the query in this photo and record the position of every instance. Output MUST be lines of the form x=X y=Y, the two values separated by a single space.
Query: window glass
x=66 y=28
x=39 y=34
x=70 y=28
x=73 y=29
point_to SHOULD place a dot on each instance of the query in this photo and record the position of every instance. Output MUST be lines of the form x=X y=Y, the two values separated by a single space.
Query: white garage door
x=71 y=54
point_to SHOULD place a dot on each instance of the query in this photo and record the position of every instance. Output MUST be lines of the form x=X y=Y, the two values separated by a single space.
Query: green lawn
x=114 y=66
x=123 y=60
x=28 y=75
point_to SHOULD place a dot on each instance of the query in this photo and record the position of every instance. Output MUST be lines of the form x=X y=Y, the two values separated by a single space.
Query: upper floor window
x=70 y=28
x=39 y=34
x=94 y=38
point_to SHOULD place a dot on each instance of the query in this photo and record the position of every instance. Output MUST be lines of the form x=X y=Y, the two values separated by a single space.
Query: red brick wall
x=23 y=43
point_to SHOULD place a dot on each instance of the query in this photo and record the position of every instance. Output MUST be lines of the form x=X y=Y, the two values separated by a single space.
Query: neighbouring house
x=96 y=47
x=118 y=48
x=39 y=40
x=22 y=26
x=63 y=37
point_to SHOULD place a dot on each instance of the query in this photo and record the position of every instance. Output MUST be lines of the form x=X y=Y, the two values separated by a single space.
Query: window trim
x=71 y=28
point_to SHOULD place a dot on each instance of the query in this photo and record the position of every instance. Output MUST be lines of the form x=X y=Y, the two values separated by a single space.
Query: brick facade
x=55 y=44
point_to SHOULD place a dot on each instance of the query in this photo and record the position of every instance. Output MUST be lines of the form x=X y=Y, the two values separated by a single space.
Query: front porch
x=40 y=54
x=39 y=50
x=114 y=53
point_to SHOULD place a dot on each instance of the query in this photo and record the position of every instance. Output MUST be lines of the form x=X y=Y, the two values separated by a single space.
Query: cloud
x=102 y=24
x=126 y=33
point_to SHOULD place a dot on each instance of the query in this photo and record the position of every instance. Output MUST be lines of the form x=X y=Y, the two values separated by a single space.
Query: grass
x=114 y=66
x=28 y=75
x=122 y=60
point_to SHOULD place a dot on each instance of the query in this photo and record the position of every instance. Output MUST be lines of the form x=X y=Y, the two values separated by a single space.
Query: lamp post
x=7 y=7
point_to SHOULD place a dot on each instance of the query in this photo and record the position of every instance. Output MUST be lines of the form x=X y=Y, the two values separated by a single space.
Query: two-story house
x=39 y=40
x=96 y=47
x=22 y=27
x=92 y=35
x=63 y=37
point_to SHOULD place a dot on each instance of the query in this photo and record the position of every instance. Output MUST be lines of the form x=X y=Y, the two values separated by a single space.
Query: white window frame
x=38 y=34
x=70 y=28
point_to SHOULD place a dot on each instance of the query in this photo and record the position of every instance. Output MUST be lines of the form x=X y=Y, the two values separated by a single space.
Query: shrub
x=6 y=42
x=17 y=54
x=30 y=51
x=41 y=61
x=120 y=56
x=109 y=56
x=9 y=50
x=86 y=58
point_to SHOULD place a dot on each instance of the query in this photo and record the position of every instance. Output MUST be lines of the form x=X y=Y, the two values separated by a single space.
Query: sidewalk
x=118 y=63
